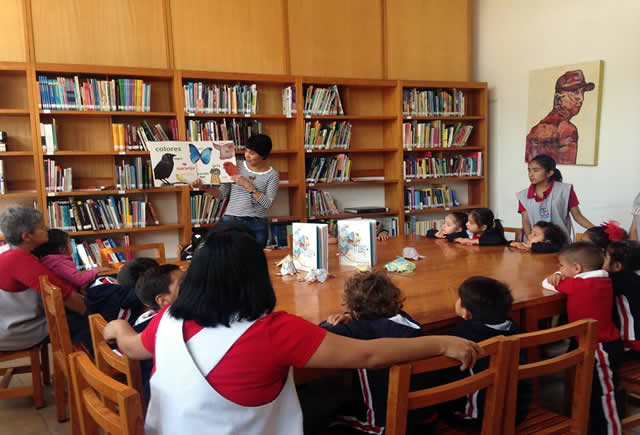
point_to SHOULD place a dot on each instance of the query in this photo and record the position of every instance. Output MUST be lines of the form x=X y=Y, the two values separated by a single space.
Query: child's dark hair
x=548 y=164
x=484 y=216
x=605 y=233
x=585 y=253
x=460 y=218
x=553 y=233
x=487 y=299
x=132 y=270
x=625 y=252
x=58 y=242
x=372 y=295
x=154 y=282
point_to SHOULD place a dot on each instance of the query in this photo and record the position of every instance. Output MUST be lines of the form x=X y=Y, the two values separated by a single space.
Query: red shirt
x=591 y=298
x=20 y=270
x=254 y=370
x=573 y=198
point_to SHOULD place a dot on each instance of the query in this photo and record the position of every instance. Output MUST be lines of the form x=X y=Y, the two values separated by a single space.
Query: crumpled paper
x=363 y=267
x=319 y=275
x=286 y=266
x=411 y=254
x=400 y=265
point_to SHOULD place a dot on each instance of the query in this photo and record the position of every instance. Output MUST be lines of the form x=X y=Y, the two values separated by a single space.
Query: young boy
x=590 y=296
x=484 y=304
x=454 y=227
x=374 y=310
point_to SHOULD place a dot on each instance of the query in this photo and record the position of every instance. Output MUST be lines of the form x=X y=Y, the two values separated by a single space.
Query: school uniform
x=450 y=237
x=490 y=238
x=554 y=206
x=626 y=288
x=113 y=301
x=544 y=247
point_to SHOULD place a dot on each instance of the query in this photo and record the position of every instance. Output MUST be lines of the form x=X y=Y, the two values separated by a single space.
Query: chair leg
x=73 y=414
x=36 y=380
x=58 y=386
x=44 y=360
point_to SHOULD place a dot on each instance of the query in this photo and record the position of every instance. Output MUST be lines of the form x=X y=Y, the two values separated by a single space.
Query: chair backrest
x=400 y=400
x=580 y=361
x=517 y=233
x=105 y=253
x=91 y=388
x=110 y=362
x=56 y=320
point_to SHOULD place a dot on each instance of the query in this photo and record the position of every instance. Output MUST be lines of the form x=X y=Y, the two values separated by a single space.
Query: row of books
x=89 y=94
x=206 y=209
x=220 y=98
x=289 y=101
x=236 y=130
x=459 y=165
x=49 y=137
x=332 y=169
x=100 y=214
x=328 y=136
x=3 y=184
x=428 y=197
x=433 y=102
x=322 y=101
x=134 y=137
x=434 y=134
x=320 y=203
x=135 y=175
x=86 y=254
x=420 y=227
x=56 y=178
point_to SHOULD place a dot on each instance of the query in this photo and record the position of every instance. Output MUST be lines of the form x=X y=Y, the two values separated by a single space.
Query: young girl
x=548 y=199
x=454 y=227
x=604 y=234
x=485 y=228
x=545 y=238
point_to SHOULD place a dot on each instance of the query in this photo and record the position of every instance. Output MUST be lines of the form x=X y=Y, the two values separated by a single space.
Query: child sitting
x=545 y=238
x=484 y=304
x=374 y=307
x=622 y=261
x=590 y=296
x=604 y=234
x=454 y=227
x=485 y=228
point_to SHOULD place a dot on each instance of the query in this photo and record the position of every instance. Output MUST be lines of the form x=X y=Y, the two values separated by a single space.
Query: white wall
x=513 y=37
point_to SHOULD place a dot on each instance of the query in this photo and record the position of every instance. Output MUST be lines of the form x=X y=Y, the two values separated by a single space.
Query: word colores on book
x=168 y=149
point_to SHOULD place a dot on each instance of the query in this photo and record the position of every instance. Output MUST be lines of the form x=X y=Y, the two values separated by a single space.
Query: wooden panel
x=97 y=32
x=13 y=90
x=336 y=38
x=18 y=130
x=428 y=39
x=230 y=36
x=12 y=40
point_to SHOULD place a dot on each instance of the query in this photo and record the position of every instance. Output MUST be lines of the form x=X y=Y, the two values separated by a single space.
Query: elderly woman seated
x=22 y=320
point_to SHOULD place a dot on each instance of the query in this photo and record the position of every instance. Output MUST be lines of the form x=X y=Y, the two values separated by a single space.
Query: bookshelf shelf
x=275 y=219
x=274 y=152
x=105 y=113
x=14 y=112
x=20 y=195
x=91 y=192
x=351 y=117
x=13 y=66
x=353 y=150
x=103 y=70
x=97 y=153
x=353 y=183
x=443 y=118
x=441 y=209
x=15 y=154
x=454 y=149
x=352 y=215
x=441 y=179
x=240 y=115
x=211 y=76
x=128 y=230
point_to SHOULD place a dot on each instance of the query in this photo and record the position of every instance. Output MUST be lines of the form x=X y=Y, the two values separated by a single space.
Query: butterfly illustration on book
x=195 y=155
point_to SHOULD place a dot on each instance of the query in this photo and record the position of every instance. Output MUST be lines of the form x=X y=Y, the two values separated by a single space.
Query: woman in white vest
x=548 y=198
x=223 y=359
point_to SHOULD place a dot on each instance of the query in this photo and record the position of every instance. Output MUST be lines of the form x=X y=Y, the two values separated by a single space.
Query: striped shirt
x=241 y=203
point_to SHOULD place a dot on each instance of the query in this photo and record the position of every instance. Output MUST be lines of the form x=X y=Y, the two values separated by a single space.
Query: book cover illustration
x=181 y=162
x=310 y=249
x=356 y=242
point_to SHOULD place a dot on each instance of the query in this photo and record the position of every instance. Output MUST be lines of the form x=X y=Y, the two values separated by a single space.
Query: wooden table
x=432 y=289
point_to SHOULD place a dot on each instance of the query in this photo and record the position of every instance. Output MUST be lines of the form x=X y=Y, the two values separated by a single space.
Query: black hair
x=58 y=242
x=132 y=270
x=553 y=233
x=460 y=218
x=484 y=216
x=222 y=227
x=228 y=280
x=487 y=299
x=154 y=282
x=598 y=236
x=585 y=253
x=625 y=252
x=260 y=143
x=548 y=164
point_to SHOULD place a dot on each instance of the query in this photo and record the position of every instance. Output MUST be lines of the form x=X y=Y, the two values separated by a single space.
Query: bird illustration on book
x=164 y=168
x=195 y=154
x=347 y=241
x=230 y=168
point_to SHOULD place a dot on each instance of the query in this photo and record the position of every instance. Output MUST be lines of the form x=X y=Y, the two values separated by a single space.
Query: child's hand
x=465 y=351
x=336 y=319
x=636 y=211
x=520 y=245
x=112 y=329
x=382 y=236
x=440 y=234
x=464 y=241
x=555 y=279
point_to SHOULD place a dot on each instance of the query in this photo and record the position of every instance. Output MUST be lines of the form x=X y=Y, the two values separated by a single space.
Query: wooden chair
x=61 y=348
x=578 y=362
x=35 y=367
x=400 y=400
x=629 y=382
x=111 y=363
x=91 y=388
x=517 y=233
x=105 y=253
x=580 y=237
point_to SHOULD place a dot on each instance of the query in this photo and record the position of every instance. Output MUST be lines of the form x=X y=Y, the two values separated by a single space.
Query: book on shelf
x=430 y=197
x=357 y=242
x=433 y=102
x=320 y=203
x=181 y=162
x=434 y=134
x=331 y=169
x=210 y=98
x=278 y=235
x=310 y=246
x=56 y=178
x=389 y=224
x=48 y=137
x=322 y=101
x=3 y=184
x=134 y=175
x=90 y=94
x=366 y=209
x=289 y=101
x=328 y=136
x=206 y=208
x=86 y=253
x=420 y=227
x=426 y=166
x=132 y=137
x=236 y=130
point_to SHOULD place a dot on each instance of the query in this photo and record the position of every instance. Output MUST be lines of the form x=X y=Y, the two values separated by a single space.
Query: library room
x=319 y=217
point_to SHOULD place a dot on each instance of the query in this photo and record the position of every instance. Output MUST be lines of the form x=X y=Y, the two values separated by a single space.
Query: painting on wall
x=563 y=117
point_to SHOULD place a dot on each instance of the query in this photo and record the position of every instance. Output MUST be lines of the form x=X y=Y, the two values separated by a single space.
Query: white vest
x=183 y=401
x=554 y=208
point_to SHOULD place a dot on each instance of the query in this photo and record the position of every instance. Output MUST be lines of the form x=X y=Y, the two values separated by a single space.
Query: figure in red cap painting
x=555 y=135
